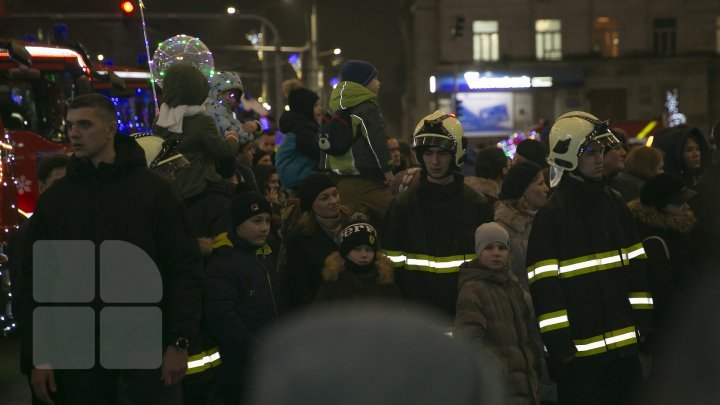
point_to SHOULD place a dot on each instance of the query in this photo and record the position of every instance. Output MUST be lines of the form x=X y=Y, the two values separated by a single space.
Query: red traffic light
x=127 y=7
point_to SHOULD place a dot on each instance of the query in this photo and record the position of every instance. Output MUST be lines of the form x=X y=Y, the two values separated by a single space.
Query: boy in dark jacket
x=358 y=271
x=240 y=293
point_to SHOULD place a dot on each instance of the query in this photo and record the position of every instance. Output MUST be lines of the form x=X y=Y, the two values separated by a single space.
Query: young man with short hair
x=110 y=196
x=431 y=227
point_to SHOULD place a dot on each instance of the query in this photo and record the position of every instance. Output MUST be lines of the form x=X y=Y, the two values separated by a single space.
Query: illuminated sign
x=472 y=81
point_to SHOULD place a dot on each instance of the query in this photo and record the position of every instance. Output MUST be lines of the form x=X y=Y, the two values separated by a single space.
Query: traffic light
x=457 y=28
x=128 y=11
x=127 y=7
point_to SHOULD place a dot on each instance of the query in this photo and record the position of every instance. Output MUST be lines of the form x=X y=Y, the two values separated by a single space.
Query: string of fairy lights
x=7 y=181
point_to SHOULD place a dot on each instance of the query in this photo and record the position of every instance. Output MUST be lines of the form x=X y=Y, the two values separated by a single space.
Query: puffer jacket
x=221 y=115
x=369 y=155
x=492 y=314
x=343 y=281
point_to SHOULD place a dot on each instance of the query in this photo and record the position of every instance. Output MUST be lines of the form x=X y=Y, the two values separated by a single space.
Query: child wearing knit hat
x=358 y=271
x=493 y=314
x=241 y=295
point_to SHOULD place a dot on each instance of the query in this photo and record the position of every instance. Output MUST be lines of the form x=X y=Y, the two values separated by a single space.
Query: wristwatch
x=182 y=343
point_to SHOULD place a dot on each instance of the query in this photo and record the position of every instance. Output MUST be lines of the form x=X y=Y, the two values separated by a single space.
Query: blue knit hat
x=358 y=71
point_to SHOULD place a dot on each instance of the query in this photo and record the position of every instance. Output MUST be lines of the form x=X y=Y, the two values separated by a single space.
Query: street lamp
x=231 y=10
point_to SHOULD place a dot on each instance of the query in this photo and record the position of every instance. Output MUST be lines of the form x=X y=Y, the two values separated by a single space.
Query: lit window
x=606 y=38
x=548 y=40
x=485 y=41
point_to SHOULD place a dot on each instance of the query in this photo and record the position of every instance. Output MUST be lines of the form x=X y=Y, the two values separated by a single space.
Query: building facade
x=504 y=64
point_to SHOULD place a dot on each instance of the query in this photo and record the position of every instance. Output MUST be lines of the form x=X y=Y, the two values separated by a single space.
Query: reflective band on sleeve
x=634 y=252
x=203 y=361
x=397 y=257
x=553 y=321
x=542 y=269
x=588 y=264
x=641 y=300
x=448 y=264
x=608 y=341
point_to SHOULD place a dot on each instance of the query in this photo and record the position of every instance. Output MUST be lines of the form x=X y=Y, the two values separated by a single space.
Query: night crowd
x=367 y=270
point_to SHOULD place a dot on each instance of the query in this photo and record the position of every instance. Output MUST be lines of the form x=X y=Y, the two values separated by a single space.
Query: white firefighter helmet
x=570 y=135
x=443 y=131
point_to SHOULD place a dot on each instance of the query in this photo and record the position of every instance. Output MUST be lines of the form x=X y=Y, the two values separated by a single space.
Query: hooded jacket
x=587 y=271
x=200 y=142
x=299 y=154
x=672 y=143
x=343 y=284
x=123 y=201
x=221 y=115
x=666 y=241
x=369 y=155
x=492 y=313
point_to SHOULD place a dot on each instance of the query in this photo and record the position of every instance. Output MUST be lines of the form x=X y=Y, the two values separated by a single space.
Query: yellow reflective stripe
x=621 y=337
x=432 y=264
x=634 y=252
x=590 y=346
x=641 y=300
x=553 y=320
x=608 y=341
x=397 y=257
x=589 y=264
x=203 y=361
x=542 y=269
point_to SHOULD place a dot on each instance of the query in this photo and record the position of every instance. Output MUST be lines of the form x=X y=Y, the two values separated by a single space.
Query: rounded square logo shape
x=64 y=271
x=128 y=274
x=64 y=337
x=131 y=338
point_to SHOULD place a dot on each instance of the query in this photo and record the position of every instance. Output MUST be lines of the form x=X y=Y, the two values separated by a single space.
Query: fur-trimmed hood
x=483 y=186
x=651 y=217
x=335 y=265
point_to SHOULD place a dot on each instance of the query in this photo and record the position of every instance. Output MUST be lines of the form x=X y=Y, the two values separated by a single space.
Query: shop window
x=548 y=40
x=486 y=43
x=606 y=39
x=664 y=36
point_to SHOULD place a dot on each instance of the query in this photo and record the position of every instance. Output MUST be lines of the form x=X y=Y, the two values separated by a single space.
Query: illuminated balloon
x=182 y=49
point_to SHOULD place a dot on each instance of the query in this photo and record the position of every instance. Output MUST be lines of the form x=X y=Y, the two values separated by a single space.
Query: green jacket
x=369 y=155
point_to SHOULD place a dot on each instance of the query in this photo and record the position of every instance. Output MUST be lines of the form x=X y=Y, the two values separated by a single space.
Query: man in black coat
x=112 y=242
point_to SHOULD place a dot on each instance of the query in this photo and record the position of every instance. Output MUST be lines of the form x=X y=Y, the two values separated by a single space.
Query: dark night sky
x=367 y=29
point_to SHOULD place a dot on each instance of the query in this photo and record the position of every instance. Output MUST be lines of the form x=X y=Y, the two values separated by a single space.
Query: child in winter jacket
x=241 y=297
x=357 y=271
x=182 y=118
x=492 y=314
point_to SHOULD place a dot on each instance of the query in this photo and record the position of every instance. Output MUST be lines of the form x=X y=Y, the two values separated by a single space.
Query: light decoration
x=130 y=75
x=649 y=127
x=8 y=218
x=433 y=84
x=296 y=62
x=509 y=145
x=182 y=49
x=334 y=82
x=672 y=105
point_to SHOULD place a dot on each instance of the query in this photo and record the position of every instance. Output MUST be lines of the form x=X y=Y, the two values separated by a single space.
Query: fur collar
x=335 y=264
x=518 y=221
x=483 y=186
x=651 y=217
